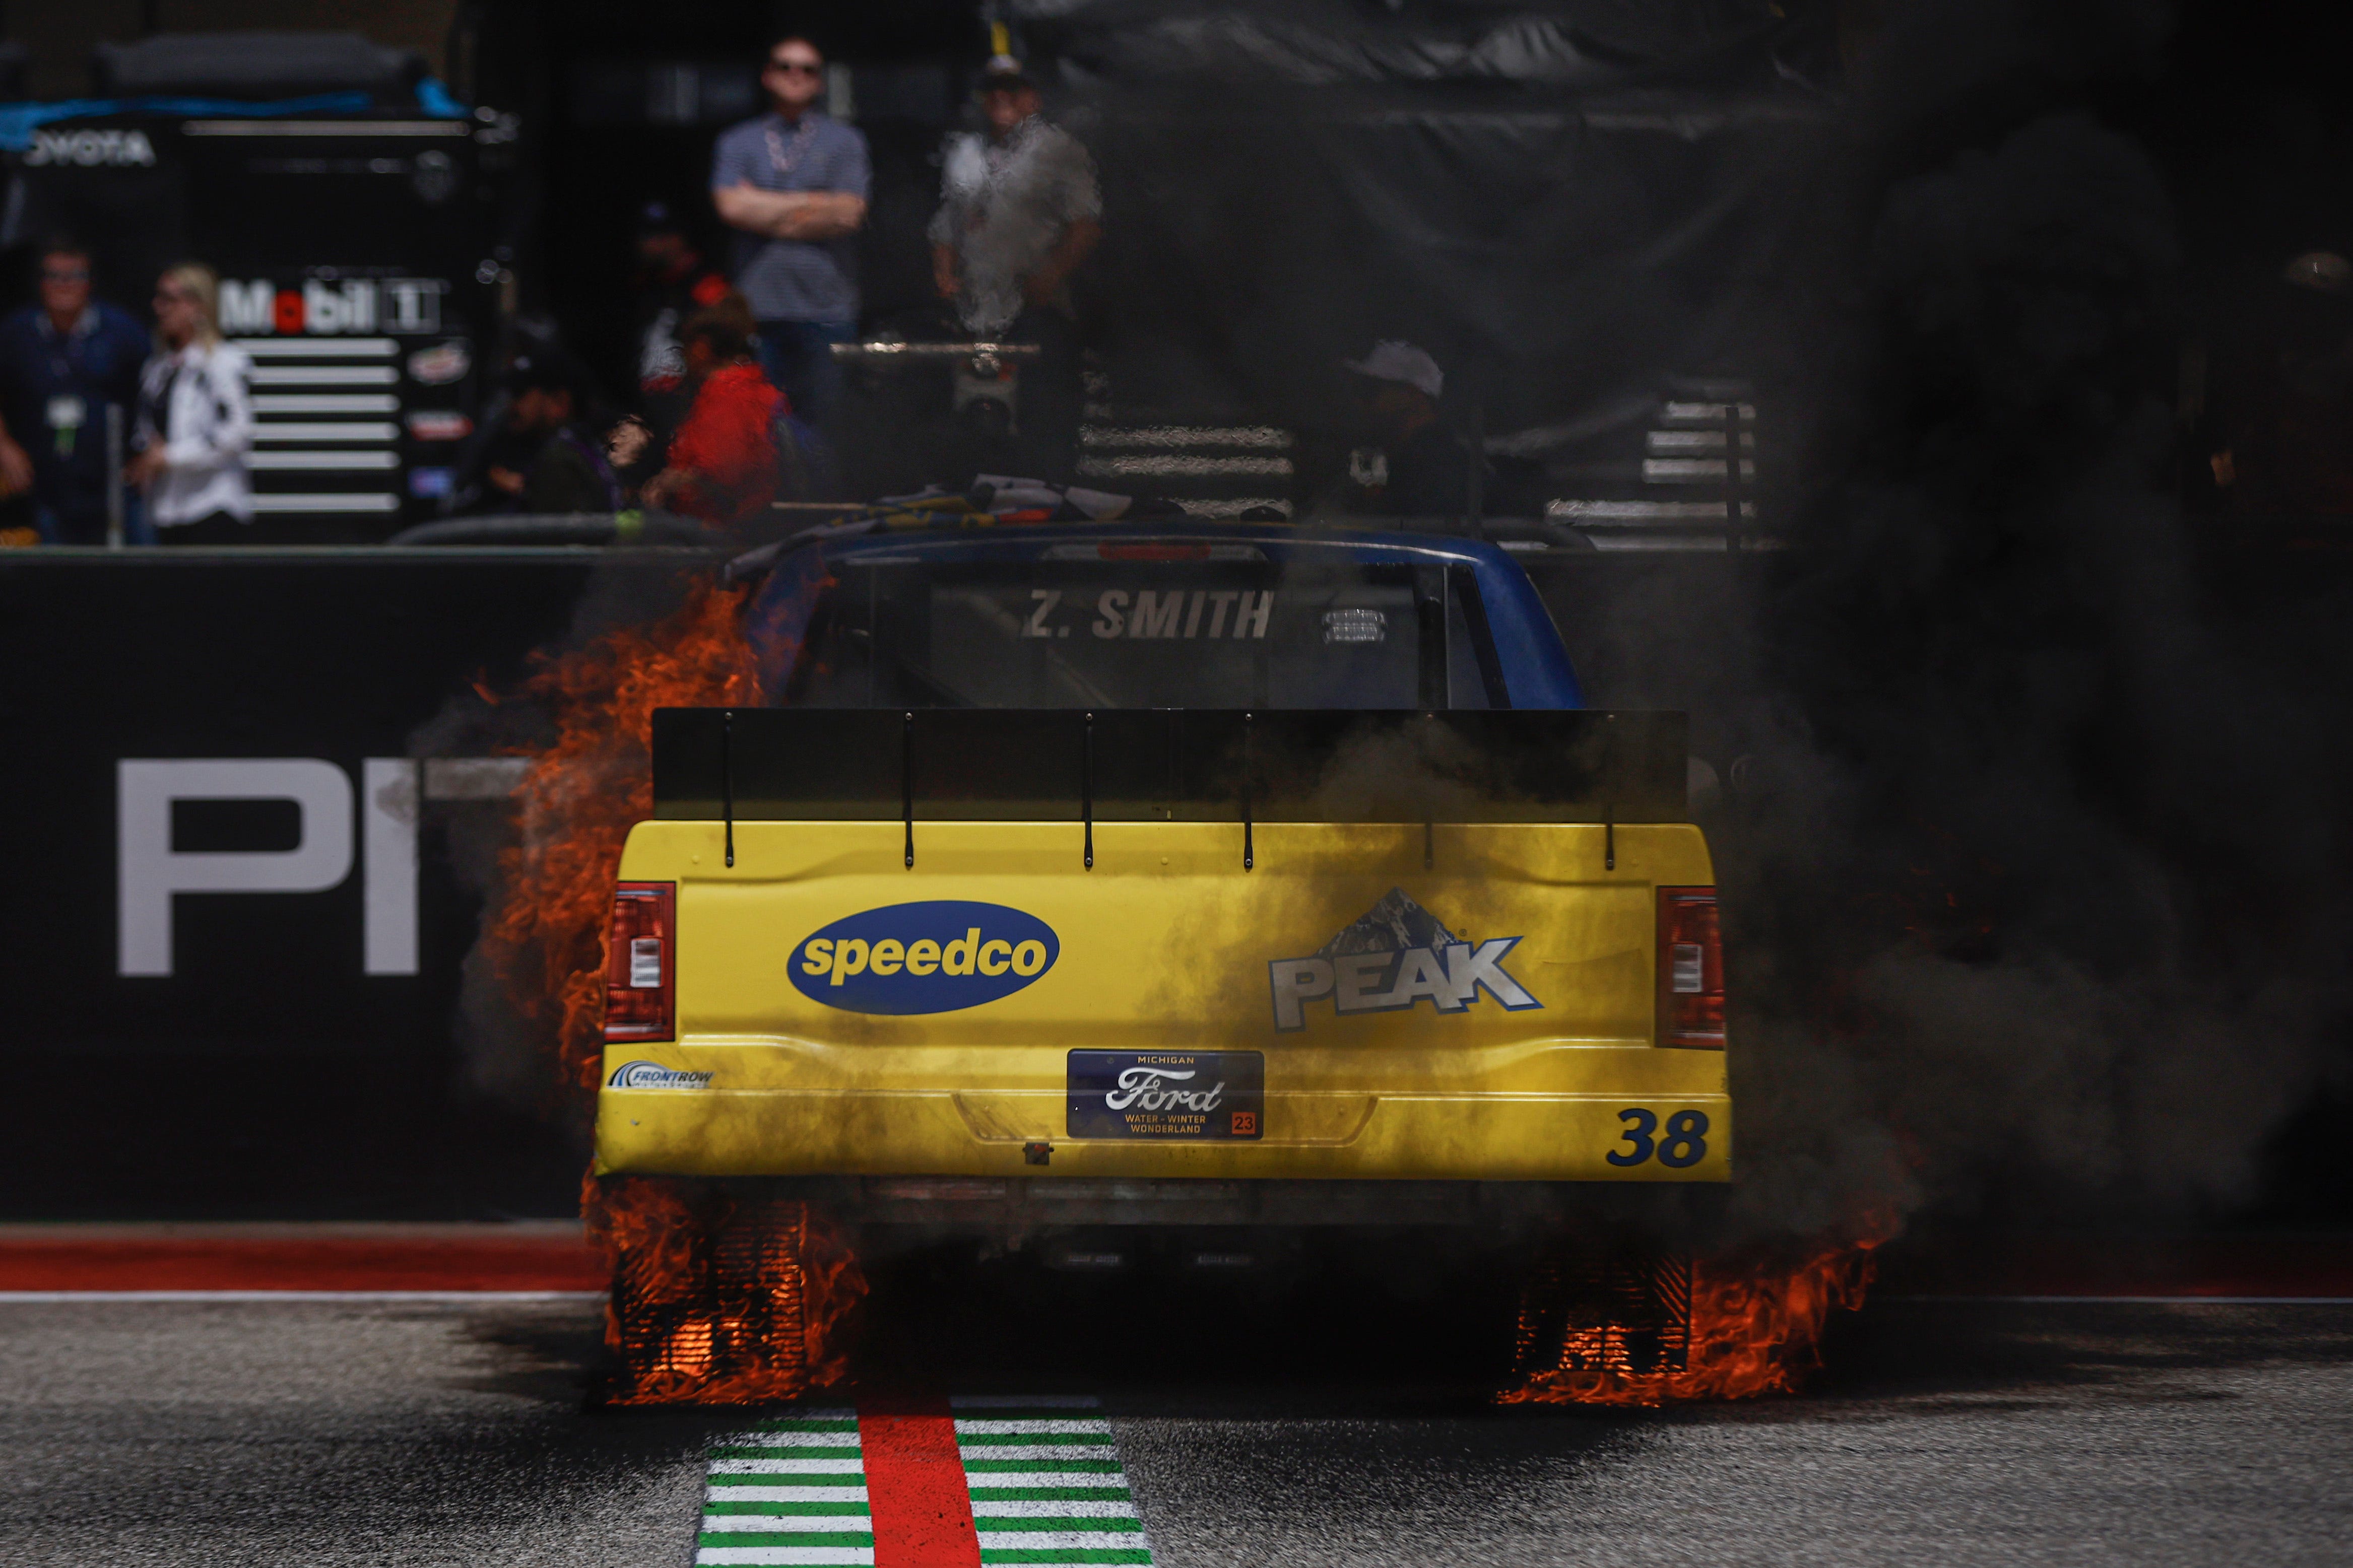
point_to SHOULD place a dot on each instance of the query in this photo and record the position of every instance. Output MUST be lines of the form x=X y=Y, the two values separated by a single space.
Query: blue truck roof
x=1536 y=668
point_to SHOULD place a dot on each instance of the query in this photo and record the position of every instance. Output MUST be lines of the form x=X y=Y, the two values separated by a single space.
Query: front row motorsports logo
x=1394 y=955
x=653 y=1075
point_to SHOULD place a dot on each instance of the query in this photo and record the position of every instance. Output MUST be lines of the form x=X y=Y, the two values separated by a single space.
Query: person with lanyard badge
x=63 y=363
x=195 y=418
x=793 y=185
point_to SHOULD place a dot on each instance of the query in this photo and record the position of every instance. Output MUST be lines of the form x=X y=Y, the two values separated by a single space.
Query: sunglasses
x=795 y=68
x=59 y=275
x=174 y=296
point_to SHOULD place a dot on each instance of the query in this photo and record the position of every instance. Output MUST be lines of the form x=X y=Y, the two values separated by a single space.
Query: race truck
x=1158 y=894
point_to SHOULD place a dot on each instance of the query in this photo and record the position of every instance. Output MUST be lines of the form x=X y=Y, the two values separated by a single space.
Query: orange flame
x=718 y=1298
x=582 y=795
x=1756 y=1328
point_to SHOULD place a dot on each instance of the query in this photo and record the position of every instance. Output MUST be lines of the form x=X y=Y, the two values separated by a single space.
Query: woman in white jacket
x=195 y=417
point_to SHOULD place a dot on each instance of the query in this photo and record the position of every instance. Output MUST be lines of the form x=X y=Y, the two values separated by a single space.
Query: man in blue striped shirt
x=793 y=185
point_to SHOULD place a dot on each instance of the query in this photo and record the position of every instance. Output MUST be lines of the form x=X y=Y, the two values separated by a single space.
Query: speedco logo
x=1394 y=955
x=90 y=149
x=932 y=957
x=653 y=1075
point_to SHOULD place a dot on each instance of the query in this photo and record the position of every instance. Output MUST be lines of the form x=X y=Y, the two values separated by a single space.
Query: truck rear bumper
x=1049 y=1205
x=1017 y=1135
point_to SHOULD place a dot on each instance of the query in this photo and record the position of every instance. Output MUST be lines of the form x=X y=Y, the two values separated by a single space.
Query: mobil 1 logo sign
x=1179 y=1095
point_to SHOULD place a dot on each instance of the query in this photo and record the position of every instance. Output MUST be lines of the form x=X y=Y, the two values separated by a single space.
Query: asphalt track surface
x=1344 y=1426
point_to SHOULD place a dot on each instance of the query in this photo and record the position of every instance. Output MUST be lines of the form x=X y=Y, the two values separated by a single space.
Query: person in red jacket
x=723 y=461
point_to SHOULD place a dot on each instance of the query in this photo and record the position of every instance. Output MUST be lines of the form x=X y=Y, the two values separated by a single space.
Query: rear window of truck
x=1213 y=626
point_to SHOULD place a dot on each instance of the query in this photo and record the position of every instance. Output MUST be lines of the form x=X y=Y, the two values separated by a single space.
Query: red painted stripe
x=915 y=1487
x=454 y=1261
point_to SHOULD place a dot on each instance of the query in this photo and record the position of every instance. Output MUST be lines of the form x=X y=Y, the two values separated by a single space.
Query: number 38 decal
x=1683 y=1143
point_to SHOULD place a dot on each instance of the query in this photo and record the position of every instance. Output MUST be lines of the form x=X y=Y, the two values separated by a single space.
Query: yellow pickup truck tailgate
x=1461 y=1001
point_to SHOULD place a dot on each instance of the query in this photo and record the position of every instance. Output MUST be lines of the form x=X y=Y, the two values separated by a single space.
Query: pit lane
x=1343 y=1428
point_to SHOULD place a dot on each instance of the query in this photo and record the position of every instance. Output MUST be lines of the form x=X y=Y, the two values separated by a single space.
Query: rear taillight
x=641 y=961
x=1690 y=969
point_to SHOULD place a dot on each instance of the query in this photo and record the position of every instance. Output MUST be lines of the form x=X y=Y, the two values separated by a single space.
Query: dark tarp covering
x=1564 y=204
x=1585 y=43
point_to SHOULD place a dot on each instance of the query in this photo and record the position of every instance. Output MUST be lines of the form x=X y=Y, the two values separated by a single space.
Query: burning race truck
x=1152 y=893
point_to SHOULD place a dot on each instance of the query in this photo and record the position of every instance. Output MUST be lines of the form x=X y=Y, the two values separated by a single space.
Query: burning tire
x=1631 y=1325
x=1601 y=1313
x=718 y=1297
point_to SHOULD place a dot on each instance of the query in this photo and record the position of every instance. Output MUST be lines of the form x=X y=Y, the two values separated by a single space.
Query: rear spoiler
x=950 y=765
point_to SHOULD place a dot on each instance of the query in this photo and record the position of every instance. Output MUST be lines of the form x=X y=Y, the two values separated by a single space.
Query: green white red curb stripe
x=1045 y=1483
x=967 y=1483
x=792 y=1489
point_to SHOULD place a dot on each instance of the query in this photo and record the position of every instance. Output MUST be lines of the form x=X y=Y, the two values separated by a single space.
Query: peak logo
x=1392 y=956
x=936 y=957
x=92 y=149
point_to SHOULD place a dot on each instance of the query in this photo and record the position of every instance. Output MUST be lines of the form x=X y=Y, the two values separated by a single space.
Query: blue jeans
x=798 y=359
x=89 y=528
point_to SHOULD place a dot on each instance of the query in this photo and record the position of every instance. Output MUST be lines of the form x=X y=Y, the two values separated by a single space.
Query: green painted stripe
x=1065 y=1554
x=785 y=1537
x=733 y=1451
x=1081 y=1521
x=858 y=1510
x=813 y=1478
x=1033 y=1439
x=1048 y=1494
x=1072 y=1466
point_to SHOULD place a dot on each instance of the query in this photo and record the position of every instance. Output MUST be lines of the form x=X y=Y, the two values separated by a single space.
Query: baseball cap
x=1003 y=73
x=543 y=371
x=1393 y=360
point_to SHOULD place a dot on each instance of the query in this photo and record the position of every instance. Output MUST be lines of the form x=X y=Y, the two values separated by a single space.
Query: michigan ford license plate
x=1168 y=1094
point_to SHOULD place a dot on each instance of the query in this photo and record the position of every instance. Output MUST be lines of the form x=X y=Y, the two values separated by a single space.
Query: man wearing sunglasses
x=793 y=185
x=62 y=362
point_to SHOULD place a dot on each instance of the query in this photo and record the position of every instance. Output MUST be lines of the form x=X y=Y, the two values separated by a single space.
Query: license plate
x=1168 y=1094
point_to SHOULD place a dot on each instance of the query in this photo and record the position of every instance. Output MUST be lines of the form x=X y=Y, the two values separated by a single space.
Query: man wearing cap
x=539 y=460
x=1416 y=467
x=1019 y=211
x=793 y=185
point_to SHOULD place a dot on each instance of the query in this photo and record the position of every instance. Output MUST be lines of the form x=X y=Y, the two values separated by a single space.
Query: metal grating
x=1605 y=1309
x=709 y=1299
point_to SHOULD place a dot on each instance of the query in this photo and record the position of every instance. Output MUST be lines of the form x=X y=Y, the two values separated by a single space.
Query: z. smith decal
x=1395 y=954
x=936 y=957
x=1203 y=615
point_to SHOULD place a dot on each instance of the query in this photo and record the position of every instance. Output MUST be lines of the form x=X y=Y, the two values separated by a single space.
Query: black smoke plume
x=2035 y=861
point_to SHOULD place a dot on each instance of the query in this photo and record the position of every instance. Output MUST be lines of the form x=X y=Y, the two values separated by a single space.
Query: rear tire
x=719 y=1298
x=1594 y=1309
